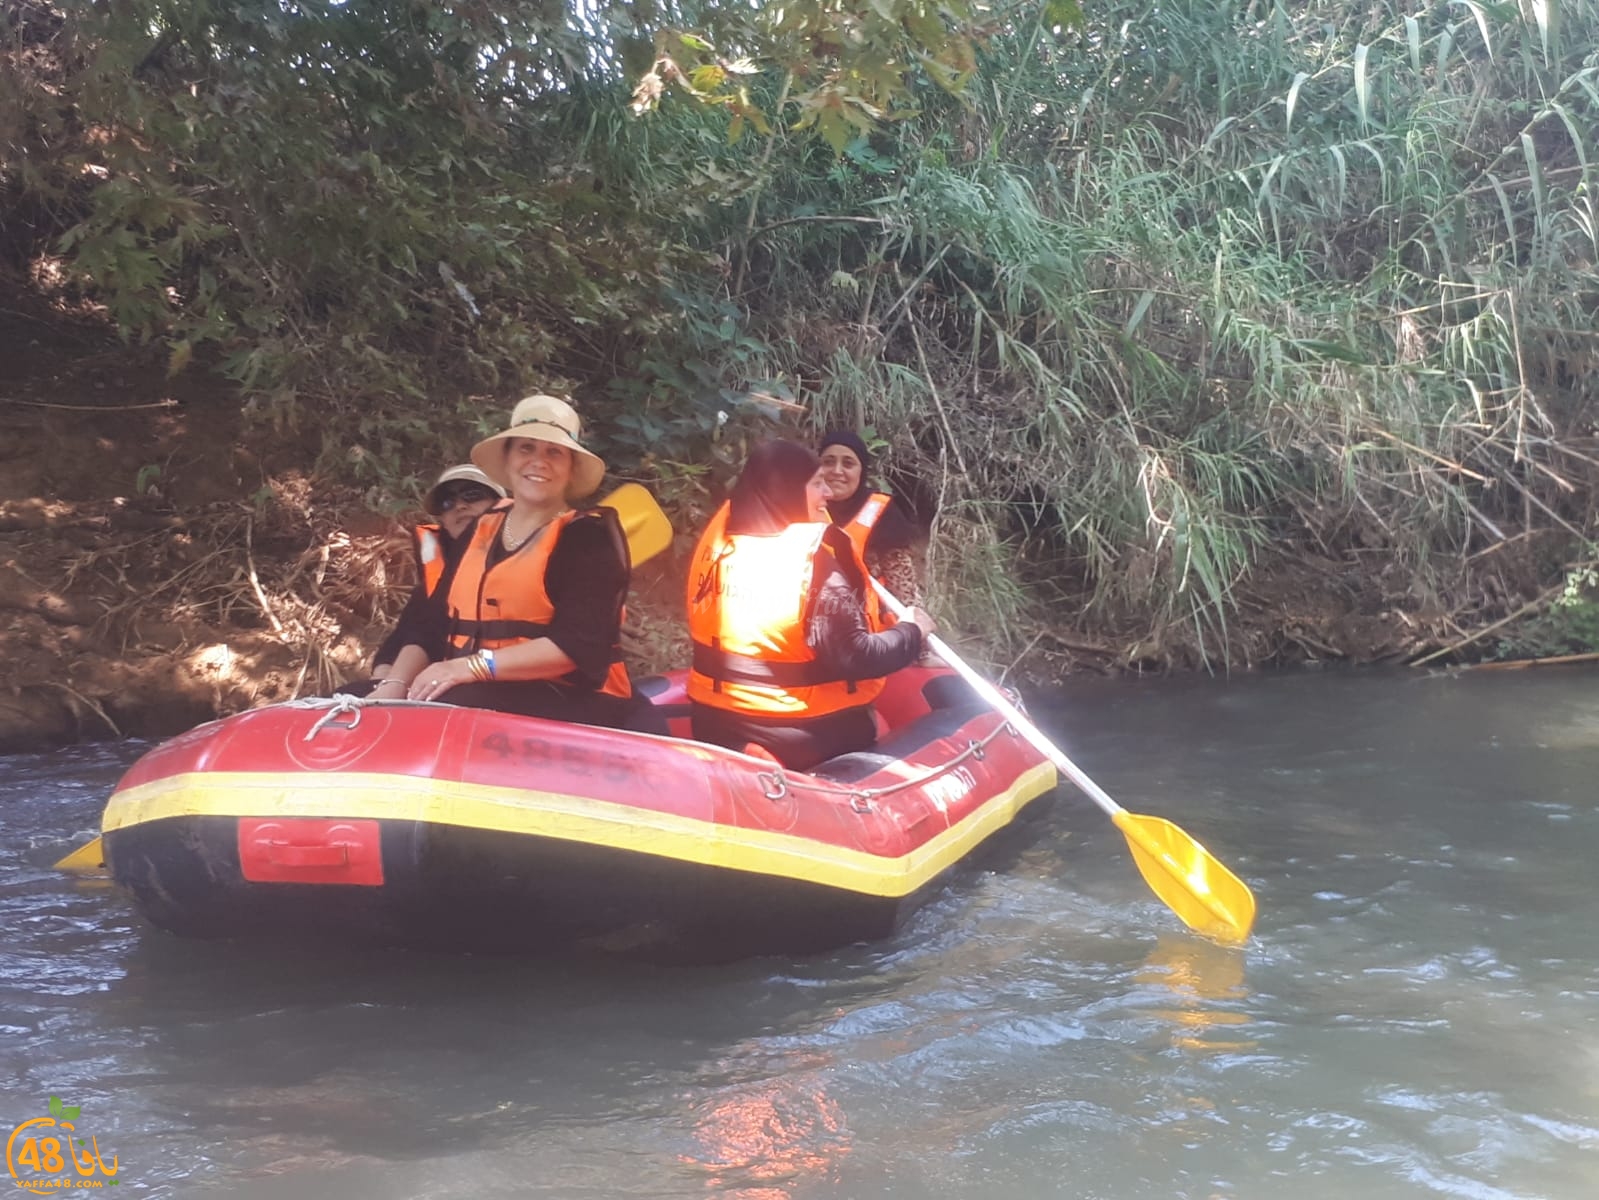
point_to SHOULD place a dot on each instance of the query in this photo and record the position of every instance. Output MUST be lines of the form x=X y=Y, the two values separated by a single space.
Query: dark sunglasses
x=474 y=495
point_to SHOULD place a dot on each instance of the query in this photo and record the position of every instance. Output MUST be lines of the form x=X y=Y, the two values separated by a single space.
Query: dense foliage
x=1144 y=308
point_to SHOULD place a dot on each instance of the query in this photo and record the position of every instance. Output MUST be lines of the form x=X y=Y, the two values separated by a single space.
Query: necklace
x=512 y=545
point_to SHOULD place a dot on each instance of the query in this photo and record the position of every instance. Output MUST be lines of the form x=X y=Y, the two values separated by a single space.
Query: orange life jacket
x=508 y=603
x=429 y=556
x=859 y=529
x=860 y=525
x=749 y=600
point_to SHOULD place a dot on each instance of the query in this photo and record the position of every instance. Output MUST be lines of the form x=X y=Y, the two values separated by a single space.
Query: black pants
x=541 y=698
x=797 y=744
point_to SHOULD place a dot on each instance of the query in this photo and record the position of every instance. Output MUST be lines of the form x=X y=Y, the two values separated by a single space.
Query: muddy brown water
x=1417 y=1014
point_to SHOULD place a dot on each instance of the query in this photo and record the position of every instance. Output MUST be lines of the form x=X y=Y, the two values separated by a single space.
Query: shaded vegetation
x=1203 y=333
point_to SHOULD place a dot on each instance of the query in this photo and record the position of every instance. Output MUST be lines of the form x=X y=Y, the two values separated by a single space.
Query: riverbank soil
x=140 y=528
x=164 y=559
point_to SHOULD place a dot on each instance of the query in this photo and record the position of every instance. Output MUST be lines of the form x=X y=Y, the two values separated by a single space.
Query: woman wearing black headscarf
x=873 y=520
x=784 y=658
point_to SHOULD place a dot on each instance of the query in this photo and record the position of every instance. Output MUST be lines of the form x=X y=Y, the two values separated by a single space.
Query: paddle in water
x=1208 y=897
x=648 y=531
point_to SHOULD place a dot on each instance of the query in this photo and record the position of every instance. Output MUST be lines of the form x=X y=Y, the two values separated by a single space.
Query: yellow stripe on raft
x=570 y=818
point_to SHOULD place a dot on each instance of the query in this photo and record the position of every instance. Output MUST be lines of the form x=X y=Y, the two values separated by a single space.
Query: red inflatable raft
x=436 y=825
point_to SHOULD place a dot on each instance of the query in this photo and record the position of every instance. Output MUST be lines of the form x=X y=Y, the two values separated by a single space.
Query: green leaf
x=835 y=130
x=1482 y=24
x=1546 y=14
x=1063 y=14
x=1220 y=127
x=1139 y=309
x=55 y=1106
x=1343 y=172
x=1336 y=351
x=1362 y=84
x=1504 y=208
x=707 y=78
x=1293 y=98
x=927 y=30
x=1572 y=128
x=1535 y=176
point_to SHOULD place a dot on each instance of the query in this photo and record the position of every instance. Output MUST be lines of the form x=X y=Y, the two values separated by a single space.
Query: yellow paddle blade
x=88 y=859
x=1208 y=897
x=647 y=528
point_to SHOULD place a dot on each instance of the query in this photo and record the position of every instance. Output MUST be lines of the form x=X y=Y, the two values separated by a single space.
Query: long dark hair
x=770 y=493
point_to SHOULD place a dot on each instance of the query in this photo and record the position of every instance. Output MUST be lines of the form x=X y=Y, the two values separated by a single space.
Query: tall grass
x=1155 y=307
x=1197 y=286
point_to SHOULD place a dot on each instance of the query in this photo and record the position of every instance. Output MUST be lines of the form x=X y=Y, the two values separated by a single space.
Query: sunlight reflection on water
x=1414 y=1016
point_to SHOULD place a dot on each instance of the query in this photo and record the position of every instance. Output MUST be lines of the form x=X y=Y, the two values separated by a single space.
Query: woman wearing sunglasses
x=458 y=498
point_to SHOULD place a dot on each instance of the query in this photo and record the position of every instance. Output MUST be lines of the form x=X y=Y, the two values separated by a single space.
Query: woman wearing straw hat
x=457 y=498
x=529 y=620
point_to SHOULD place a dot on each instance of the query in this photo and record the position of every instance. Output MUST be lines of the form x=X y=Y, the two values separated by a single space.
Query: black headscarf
x=893 y=529
x=770 y=493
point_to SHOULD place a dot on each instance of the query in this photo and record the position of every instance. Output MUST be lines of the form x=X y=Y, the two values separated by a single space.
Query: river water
x=1416 y=1015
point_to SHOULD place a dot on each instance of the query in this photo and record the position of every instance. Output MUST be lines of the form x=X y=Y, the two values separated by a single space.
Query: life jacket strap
x=475 y=632
x=722 y=666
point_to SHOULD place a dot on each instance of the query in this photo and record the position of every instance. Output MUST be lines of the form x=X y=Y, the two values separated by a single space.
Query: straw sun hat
x=465 y=473
x=545 y=419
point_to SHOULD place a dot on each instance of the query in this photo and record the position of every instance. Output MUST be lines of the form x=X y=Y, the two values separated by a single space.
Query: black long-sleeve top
x=412 y=625
x=836 y=630
x=586 y=579
x=844 y=645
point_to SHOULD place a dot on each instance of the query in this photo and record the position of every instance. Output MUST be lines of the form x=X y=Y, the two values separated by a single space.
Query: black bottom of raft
x=461 y=888
x=449 y=887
